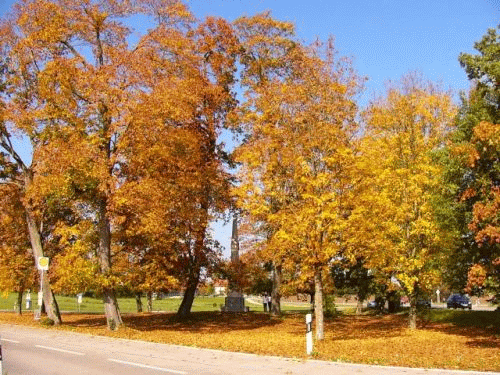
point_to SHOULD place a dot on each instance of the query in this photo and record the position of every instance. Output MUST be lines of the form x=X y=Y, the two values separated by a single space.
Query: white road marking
x=146 y=366
x=14 y=341
x=59 y=350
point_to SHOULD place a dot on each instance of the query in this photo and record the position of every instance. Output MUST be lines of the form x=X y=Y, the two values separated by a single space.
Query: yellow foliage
x=393 y=219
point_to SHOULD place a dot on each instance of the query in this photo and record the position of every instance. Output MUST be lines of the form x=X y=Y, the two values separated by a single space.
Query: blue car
x=458 y=301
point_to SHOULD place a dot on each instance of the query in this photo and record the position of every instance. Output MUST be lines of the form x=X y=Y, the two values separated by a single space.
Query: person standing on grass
x=269 y=299
x=264 y=302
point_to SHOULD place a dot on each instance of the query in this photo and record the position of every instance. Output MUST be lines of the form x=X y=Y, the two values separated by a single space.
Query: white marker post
x=309 y=334
x=28 y=300
x=43 y=265
x=79 y=300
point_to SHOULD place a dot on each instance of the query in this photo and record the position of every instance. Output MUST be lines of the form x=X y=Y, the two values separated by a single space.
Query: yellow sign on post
x=43 y=263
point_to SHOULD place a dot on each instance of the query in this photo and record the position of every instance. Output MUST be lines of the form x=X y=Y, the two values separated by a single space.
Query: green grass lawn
x=128 y=304
x=201 y=303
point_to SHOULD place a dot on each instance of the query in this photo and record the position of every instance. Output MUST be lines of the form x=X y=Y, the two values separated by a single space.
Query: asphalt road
x=29 y=351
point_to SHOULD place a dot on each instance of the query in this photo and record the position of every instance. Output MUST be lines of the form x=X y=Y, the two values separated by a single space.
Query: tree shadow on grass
x=485 y=343
x=351 y=327
x=84 y=320
x=477 y=337
x=489 y=320
x=214 y=322
x=481 y=328
x=348 y=327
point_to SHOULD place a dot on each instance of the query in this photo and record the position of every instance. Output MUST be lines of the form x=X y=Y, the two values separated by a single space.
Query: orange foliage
x=476 y=276
x=125 y=136
x=485 y=222
x=17 y=272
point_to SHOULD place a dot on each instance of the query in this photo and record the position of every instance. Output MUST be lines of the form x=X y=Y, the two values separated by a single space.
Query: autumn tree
x=473 y=170
x=173 y=190
x=255 y=276
x=267 y=55
x=66 y=55
x=17 y=270
x=401 y=181
x=267 y=47
x=105 y=107
x=77 y=53
x=295 y=161
x=17 y=81
x=485 y=222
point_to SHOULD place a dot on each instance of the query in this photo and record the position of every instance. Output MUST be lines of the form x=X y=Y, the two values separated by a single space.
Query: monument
x=234 y=302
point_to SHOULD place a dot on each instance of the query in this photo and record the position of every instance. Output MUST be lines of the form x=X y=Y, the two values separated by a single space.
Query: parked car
x=373 y=305
x=458 y=301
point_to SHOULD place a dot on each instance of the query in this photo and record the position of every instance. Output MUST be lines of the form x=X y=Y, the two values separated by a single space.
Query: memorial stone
x=234 y=302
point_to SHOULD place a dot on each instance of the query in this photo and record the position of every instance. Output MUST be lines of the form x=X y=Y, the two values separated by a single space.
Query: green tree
x=473 y=172
x=353 y=279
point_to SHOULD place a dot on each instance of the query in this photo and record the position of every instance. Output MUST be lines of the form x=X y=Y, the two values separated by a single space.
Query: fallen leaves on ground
x=381 y=340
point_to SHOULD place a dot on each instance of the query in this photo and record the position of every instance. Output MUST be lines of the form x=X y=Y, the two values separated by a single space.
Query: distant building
x=220 y=287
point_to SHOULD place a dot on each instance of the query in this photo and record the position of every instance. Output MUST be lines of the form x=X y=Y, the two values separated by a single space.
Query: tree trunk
x=194 y=270
x=275 y=293
x=19 y=307
x=113 y=316
x=43 y=309
x=412 y=317
x=187 y=301
x=359 y=306
x=318 y=304
x=149 y=296
x=138 y=301
x=49 y=300
x=111 y=310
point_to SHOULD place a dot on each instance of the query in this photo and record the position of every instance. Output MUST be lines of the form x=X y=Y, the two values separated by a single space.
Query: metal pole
x=41 y=289
x=38 y=313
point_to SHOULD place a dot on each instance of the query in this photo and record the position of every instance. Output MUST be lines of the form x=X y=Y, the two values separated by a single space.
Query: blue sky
x=386 y=38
